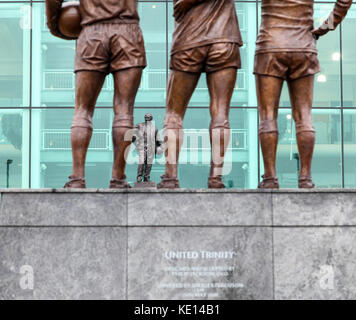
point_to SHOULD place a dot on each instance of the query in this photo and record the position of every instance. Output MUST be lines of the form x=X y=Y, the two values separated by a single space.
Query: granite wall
x=187 y=244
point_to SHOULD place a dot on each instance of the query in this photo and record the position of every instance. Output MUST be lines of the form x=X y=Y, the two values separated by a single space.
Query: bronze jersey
x=99 y=10
x=207 y=22
x=92 y=11
x=287 y=25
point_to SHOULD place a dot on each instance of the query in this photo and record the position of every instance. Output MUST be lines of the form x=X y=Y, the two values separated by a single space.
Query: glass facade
x=37 y=102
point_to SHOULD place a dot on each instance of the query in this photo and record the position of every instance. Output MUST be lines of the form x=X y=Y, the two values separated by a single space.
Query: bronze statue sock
x=119 y=184
x=173 y=140
x=269 y=141
x=216 y=182
x=306 y=142
x=268 y=183
x=168 y=183
x=80 y=139
x=305 y=182
x=77 y=183
x=219 y=139
x=121 y=142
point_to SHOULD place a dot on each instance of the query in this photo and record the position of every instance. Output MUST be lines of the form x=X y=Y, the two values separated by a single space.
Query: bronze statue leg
x=180 y=88
x=126 y=84
x=301 y=96
x=268 y=95
x=88 y=86
x=221 y=87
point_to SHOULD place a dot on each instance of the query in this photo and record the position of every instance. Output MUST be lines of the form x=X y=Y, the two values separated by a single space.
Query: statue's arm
x=181 y=7
x=53 y=9
x=337 y=15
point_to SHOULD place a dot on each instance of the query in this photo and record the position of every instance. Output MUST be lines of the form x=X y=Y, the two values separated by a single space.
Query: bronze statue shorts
x=110 y=47
x=287 y=65
x=209 y=58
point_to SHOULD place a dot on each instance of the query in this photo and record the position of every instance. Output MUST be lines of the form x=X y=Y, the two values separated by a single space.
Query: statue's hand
x=182 y=7
x=318 y=32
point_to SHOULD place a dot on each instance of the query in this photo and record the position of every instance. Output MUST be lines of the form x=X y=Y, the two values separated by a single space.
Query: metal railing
x=59 y=139
x=154 y=79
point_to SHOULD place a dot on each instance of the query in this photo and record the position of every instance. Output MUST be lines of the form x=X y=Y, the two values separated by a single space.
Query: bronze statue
x=110 y=41
x=286 y=51
x=148 y=144
x=206 y=39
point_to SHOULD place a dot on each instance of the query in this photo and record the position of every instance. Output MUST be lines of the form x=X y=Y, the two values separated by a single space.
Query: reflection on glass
x=13 y=148
x=51 y=154
x=327 y=91
x=327 y=164
x=53 y=84
x=349 y=59
x=350 y=148
x=14 y=55
x=244 y=94
x=53 y=80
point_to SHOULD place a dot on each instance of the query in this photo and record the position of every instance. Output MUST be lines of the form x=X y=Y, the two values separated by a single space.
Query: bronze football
x=69 y=20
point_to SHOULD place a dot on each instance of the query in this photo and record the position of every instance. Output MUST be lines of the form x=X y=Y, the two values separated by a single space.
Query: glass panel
x=53 y=86
x=51 y=155
x=350 y=148
x=152 y=91
x=51 y=149
x=327 y=163
x=14 y=131
x=15 y=25
x=53 y=80
x=244 y=93
x=349 y=58
x=240 y=169
x=54 y=58
x=327 y=92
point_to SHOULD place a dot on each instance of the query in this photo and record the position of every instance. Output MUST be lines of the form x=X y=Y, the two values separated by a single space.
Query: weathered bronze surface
x=206 y=39
x=148 y=144
x=286 y=51
x=69 y=23
x=111 y=41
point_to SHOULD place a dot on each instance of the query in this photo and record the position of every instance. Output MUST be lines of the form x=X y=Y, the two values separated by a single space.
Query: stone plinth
x=186 y=244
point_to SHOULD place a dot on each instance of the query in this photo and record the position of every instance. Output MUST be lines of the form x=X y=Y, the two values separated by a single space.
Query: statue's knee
x=82 y=121
x=304 y=126
x=123 y=121
x=268 y=126
x=221 y=122
x=173 y=121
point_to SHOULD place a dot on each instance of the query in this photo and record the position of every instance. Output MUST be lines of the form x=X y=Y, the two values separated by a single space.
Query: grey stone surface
x=58 y=209
x=315 y=263
x=316 y=208
x=205 y=209
x=144 y=185
x=67 y=263
x=94 y=243
x=154 y=272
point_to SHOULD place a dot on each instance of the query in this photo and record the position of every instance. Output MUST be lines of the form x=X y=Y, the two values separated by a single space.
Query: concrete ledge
x=184 y=244
x=185 y=207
